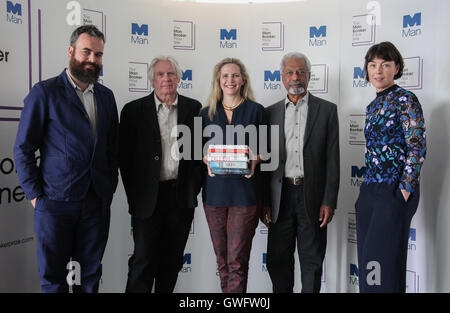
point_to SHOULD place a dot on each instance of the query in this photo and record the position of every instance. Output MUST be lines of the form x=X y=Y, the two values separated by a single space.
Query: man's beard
x=296 y=90
x=88 y=75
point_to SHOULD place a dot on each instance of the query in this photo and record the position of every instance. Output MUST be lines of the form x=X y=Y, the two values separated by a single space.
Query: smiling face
x=165 y=80
x=86 y=58
x=381 y=73
x=231 y=79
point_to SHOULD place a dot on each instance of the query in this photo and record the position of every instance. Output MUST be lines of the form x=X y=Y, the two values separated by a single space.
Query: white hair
x=295 y=55
x=171 y=59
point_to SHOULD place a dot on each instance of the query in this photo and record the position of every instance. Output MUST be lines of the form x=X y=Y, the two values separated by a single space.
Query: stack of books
x=228 y=159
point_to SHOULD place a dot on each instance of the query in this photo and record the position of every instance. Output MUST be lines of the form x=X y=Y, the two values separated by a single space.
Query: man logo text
x=269 y=78
x=138 y=32
x=264 y=262
x=315 y=33
x=359 y=78
x=357 y=176
x=228 y=38
x=354 y=275
x=411 y=25
x=186 y=80
x=412 y=239
x=13 y=12
x=186 y=263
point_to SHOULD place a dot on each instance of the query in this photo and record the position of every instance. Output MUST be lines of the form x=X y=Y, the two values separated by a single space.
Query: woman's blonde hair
x=216 y=93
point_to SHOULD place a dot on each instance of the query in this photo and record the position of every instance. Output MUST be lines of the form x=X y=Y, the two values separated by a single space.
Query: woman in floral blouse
x=389 y=196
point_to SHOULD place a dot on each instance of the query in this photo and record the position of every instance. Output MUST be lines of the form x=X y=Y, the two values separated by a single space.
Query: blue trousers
x=75 y=230
x=383 y=220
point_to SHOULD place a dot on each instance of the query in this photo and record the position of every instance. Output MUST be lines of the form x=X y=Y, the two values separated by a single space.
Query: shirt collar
x=304 y=100
x=90 y=87
x=158 y=103
x=388 y=90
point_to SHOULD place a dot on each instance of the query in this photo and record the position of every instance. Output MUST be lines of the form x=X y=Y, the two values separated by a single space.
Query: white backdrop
x=34 y=37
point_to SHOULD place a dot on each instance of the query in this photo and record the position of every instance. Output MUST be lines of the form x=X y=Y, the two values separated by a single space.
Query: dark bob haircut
x=387 y=51
x=91 y=30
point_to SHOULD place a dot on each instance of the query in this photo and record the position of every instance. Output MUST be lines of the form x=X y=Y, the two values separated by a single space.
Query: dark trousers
x=383 y=221
x=65 y=230
x=232 y=230
x=159 y=243
x=293 y=224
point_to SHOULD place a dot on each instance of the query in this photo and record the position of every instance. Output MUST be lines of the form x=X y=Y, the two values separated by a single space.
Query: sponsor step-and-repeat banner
x=335 y=35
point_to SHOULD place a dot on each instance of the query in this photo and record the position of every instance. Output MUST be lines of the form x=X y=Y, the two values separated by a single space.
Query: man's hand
x=253 y=164
x=33 y=202
x=252 y=169
x=326 y=215
x=265 y=217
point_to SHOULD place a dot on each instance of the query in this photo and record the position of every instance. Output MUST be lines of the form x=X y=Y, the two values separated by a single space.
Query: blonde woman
x=232 y=202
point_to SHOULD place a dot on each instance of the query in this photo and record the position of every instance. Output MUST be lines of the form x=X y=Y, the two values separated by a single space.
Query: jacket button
x=156 y=158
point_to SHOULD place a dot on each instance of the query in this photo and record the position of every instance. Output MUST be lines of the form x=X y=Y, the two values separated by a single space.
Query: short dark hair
x=387 y=51
x=91 y=30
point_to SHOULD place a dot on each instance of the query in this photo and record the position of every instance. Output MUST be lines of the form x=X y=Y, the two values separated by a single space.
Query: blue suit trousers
x=70 y=231
x=383 y=220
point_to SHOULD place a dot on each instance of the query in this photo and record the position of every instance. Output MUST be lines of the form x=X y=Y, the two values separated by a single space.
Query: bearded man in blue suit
x=72 y=120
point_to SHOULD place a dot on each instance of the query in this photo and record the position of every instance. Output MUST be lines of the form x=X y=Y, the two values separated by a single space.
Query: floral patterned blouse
x=395 y=139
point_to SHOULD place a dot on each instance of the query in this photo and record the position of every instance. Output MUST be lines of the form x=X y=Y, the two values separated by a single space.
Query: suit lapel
x=313 y=110
x=182 y=115
x=182 y=111
x=149 y=117
x=72 y=97
x=279 y=120
x=101 y=114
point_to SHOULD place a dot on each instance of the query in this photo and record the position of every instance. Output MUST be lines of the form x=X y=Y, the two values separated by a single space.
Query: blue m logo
x=228 y=35
x=317 y=32
x=358 y=73
x=139 y=30
x=410 y=21
x=187 y=75
x=13 y=8
x=272 y=76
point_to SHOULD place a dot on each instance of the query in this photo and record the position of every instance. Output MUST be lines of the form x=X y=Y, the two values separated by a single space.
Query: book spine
x=228 y=151
x=245 y=147
x=230 y=171
x=229 y=164
x=226 y=159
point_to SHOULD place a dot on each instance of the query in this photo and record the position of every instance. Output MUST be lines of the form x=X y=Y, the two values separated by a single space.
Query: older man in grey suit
x=304 y=187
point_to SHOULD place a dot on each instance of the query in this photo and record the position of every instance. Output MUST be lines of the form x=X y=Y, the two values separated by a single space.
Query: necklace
x=232 y=108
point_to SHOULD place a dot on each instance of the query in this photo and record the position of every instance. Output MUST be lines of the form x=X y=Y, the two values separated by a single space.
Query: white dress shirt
x=167 y=120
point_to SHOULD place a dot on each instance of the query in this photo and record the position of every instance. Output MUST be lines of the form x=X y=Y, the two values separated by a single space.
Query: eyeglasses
x=300 y=73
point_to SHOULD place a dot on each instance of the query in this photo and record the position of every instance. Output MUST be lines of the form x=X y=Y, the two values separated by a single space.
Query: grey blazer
x=320 y=156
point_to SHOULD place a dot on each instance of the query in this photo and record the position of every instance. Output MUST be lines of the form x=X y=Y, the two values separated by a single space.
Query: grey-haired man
x=305 y=185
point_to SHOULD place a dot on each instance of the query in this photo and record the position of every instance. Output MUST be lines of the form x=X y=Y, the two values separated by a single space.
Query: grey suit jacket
x=320 y=156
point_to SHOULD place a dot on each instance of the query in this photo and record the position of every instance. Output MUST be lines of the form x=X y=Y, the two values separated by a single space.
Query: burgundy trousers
x=232 y=230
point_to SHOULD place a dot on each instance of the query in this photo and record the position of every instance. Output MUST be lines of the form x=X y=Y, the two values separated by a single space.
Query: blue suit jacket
x=55 y=121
